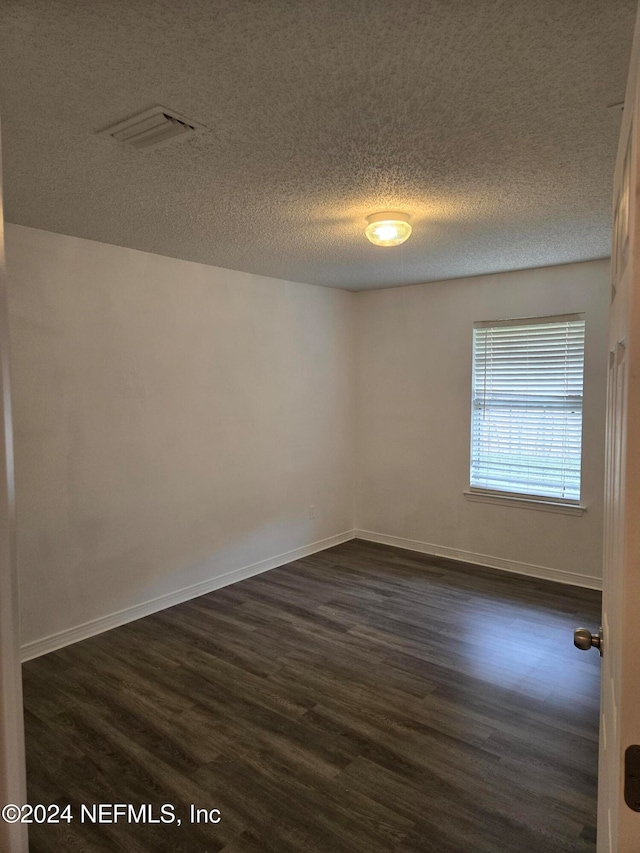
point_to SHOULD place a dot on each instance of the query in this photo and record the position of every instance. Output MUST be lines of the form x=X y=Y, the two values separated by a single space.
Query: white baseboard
x=543 y=572
x=129 y=614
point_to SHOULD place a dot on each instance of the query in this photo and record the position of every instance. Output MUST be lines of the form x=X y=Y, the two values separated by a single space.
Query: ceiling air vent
x=153 y=128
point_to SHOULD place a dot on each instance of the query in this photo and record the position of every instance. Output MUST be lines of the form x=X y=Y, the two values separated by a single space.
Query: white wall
x=173 y=422
x=414 y=348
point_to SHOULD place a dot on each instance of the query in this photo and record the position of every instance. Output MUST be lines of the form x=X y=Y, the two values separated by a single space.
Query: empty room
x=320 y=470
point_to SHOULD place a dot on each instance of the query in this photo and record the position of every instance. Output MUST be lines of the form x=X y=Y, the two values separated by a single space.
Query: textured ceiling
x=486 y=120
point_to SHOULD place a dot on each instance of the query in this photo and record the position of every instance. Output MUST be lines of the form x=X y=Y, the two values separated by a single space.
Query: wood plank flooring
x=362 y=699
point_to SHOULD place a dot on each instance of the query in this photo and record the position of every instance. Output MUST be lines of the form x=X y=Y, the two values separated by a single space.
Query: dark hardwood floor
x=363 y=699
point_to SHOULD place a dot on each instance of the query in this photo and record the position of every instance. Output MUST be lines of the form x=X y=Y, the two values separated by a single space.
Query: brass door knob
x=585 y=640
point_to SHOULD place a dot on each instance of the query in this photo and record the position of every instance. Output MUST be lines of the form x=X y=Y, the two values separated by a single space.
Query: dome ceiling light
x=389 y=228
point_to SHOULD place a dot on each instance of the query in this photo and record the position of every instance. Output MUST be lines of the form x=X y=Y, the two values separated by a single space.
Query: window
x=526 y=422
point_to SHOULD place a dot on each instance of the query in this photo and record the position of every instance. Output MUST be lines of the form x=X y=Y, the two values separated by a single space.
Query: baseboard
x=129 y=614
x=138 y=611
x=505 y=565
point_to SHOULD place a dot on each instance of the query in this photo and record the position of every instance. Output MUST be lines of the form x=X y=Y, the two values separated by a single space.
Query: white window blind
x=526 y=431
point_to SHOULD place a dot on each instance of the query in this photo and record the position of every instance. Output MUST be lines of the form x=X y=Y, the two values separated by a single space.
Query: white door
x=13 y=837
x=619 y=822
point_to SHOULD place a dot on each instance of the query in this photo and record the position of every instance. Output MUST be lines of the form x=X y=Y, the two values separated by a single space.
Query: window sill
x=525 y=502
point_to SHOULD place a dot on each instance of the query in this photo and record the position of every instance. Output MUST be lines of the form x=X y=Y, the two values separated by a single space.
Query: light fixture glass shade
x=388 y=229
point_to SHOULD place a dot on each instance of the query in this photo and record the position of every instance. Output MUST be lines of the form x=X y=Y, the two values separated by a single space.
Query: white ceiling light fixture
x=389 y=228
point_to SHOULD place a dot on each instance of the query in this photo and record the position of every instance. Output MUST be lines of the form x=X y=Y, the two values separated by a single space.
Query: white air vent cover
x=153 y=128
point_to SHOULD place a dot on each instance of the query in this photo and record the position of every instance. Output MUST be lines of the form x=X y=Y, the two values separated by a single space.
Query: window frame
x=569 y=506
